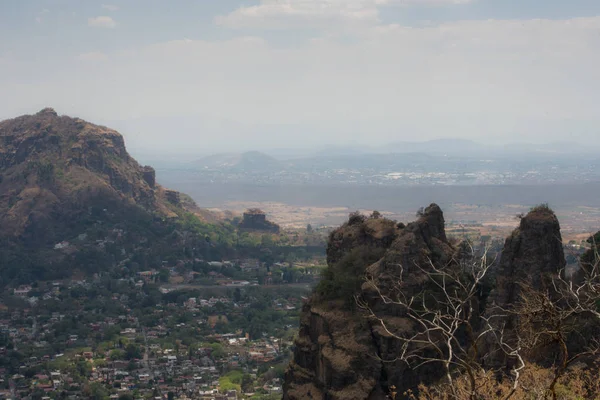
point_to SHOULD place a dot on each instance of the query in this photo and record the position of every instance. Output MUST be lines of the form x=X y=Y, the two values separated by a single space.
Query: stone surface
x=256 y=220
x=54 y=168
x=342 y=354
x=533 y=253
x=339 y=353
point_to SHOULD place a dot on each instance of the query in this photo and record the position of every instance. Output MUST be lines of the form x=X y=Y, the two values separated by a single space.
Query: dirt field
x=497 y=221
x=290 y=216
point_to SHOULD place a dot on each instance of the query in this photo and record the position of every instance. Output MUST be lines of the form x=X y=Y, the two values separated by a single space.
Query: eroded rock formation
x=342 y=354
x=533 y=254
x=339 y=353
x=62 y=176
x=256 y=220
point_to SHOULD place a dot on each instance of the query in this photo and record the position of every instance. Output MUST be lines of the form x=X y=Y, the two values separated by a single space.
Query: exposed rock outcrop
x=149 y=175
x=173 y=197
x=61 y=176
x=532 y=261
x=75 y=151
x=591 y=258
x=532 y=254
x=339 y=353
x=256 y=220
x=342 y=354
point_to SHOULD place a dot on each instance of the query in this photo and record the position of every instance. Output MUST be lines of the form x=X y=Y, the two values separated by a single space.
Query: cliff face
x=256 y=220
x=60 y=157
x=62 y=177
x=339 y=353
x=591 y=257
x=532 y=254
x=342 y=354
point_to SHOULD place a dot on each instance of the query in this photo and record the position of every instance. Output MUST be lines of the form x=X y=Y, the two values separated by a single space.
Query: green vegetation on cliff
x=73 y=201
x=436 y=320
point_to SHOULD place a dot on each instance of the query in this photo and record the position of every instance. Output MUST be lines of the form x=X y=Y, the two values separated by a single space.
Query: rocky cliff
x=342 y=354
x=339 y=353
x=532 y=254
x=256 y=220
x=58 y=157
x=61 y=177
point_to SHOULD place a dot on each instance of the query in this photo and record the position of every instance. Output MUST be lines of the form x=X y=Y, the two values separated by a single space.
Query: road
x=145 y=358
x=178 y=286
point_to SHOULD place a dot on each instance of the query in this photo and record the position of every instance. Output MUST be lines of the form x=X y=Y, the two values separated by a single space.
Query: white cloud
x=39 y=18
x=4 y=58
x=281 y=14
x=102 y=22
x=522 y=68
x=285 y=13
x=93 y=56
x=516 y=79
x=110 y=7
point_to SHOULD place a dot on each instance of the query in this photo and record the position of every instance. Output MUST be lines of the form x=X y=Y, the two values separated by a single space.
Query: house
x=22 y=291
x=128 y=333
x=217 y=264
x=237 y=283
x=61 y=245
x=147 y=275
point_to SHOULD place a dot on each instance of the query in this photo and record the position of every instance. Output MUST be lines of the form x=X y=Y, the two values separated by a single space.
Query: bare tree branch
x=440 y=315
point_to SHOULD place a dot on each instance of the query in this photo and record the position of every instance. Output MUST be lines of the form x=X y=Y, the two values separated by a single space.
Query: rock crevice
x=361 y=358
x=532 y=255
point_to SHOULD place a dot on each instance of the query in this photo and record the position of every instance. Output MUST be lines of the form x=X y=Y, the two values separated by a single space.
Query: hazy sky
x=200 y=75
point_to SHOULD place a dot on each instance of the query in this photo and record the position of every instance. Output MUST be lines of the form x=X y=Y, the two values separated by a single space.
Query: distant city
x=448 y=162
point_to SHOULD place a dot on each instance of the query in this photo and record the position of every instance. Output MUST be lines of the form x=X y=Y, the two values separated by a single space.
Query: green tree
x=266 y=240
x=163 y=275
x=84 y=368
x=237 y=295
x=131 y=366
x=96 y=391
x=217 y=350
x=117 y=354
x=132 y=352
x=247 y=383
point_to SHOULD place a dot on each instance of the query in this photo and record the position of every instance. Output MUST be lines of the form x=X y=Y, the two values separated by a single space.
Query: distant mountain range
x=261 y=162
x=272 y=158
x=396 y=154
x=461 y=147
x=254 y=160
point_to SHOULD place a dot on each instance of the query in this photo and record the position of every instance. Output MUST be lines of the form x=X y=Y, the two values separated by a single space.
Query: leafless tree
x=448 y=329
x=554 y=315
x=446 y=320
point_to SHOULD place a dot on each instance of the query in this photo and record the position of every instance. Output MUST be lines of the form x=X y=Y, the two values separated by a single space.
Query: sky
x=222 y=75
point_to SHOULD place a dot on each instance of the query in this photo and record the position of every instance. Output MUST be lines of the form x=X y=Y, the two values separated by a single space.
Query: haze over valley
x=299 y=200
x=473 y=182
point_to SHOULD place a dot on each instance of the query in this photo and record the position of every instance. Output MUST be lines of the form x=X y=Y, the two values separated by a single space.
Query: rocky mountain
x=255 y=219
x=533 y=253
x=248 y=161
x=63 y=178
x=438 y=146
x=339 y=353
x=344 y=352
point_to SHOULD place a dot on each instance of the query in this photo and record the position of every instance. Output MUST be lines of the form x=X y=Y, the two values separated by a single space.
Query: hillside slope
x=63 y=178
x=357 y=327
x=339 y=353
x=250 y=161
